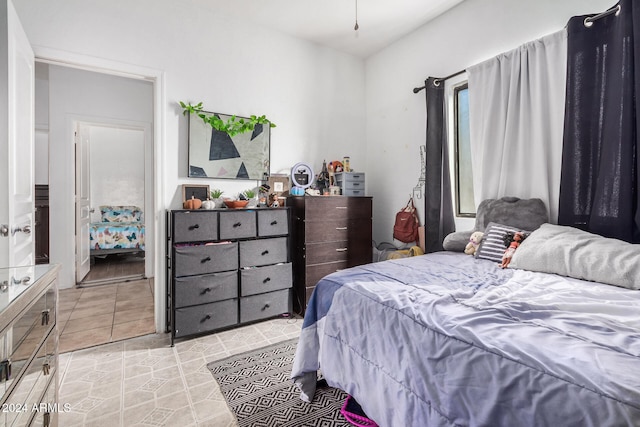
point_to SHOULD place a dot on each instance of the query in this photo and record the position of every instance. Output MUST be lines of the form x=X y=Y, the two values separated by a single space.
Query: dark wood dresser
x=329 y=233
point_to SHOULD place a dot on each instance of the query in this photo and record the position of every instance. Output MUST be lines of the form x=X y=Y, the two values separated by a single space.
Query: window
x=463 y=179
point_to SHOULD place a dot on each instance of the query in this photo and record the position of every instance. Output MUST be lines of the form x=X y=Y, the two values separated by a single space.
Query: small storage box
x=351 y=183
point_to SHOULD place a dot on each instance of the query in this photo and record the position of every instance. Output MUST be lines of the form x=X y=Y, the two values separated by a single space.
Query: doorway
x=120 y=106
x=110 y=202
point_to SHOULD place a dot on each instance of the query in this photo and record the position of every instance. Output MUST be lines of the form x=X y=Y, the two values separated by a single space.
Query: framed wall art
x=216 y=154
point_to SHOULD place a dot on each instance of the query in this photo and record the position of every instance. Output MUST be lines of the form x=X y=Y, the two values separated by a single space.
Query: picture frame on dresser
x=196 y=191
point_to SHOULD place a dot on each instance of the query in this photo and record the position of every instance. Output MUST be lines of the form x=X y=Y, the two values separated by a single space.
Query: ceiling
x=331 y=22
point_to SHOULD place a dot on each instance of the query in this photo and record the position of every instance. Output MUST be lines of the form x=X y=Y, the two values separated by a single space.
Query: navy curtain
x=599 y=182
x=439 y=219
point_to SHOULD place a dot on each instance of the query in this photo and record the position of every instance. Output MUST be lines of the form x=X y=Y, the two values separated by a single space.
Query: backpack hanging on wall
x=407 y=222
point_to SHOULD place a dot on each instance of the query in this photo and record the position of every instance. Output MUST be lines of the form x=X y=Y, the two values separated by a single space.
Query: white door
x=83 y=202
x=16 y=145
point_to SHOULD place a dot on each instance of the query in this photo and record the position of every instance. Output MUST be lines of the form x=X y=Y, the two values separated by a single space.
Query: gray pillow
x=570 y=252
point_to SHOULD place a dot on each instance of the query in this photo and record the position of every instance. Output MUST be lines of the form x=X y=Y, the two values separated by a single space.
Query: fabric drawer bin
x=237 y=224
x=193 y=260
x=263 y=252
x=273 y=222
x=262 y=306
x=192 y=290
x=206 y=317
x=265 y=279
x=189 y=226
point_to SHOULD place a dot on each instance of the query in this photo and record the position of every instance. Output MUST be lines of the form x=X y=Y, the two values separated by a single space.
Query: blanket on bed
x=445 y=339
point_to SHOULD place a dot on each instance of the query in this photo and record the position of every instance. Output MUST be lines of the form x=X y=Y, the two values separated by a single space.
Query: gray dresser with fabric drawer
x=226 y=267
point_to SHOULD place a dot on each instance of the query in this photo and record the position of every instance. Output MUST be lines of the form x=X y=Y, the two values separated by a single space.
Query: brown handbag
x=407 y=223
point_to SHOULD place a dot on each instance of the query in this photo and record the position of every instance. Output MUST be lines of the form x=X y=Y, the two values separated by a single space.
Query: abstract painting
x=215 y=154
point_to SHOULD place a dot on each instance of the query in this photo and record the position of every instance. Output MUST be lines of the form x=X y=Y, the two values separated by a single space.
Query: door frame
x=157 y=78
x=75 y=122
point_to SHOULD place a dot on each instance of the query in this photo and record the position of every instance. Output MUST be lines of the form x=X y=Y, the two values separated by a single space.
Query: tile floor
x=145 y=382
x=106 y=313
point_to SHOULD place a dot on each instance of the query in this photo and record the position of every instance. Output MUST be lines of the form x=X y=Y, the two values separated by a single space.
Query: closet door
x=16 y=146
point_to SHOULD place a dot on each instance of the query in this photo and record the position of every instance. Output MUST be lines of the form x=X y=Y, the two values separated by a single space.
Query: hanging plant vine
x=232 y=126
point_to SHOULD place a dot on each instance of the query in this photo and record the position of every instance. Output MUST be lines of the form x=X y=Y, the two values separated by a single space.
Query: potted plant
x=216 y=196
x=233 y=126
x=249 y=194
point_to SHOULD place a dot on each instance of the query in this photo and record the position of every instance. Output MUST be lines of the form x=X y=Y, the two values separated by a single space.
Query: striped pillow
x=492 y=246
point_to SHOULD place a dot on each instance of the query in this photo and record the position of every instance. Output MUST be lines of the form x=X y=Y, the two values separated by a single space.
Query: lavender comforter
x=448 y=340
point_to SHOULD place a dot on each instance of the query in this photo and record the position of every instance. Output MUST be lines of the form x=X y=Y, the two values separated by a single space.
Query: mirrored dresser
x=29 y=346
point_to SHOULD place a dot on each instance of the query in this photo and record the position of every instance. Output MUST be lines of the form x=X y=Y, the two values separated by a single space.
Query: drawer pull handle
x=5 y=370
x=237 y=224
x=24 y=280
x=45 y=368
x=341 y=207
x=274 y=222
x=341 y=228
x=207 y=317
x=268 y=279
x=45 y=318
x=341 y=250
x=207 y=259
x=266 y=306
x=265 y=252
x=194 y=227
x=204 y=291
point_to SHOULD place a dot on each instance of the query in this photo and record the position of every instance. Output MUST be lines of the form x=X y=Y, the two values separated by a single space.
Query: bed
x=121 y=230
x=448 y=339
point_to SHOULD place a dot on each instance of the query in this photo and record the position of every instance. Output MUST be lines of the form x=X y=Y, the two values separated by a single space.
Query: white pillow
x=570 y=252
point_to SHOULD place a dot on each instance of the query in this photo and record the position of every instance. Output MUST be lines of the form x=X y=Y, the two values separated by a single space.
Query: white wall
x=315 y=95
x=116 y=165
x=471 y=32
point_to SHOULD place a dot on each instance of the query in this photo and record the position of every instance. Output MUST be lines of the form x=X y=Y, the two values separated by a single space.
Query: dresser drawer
x=261 y=306
x=337 y=207
x=345 y=178
x=31 y=387
x=206 y=317
x=30 y=330
x=237 y=224
x=313 y=273
x=265 y=279
x=334 y=230
x=353 y=192
x=263 y=252
x=194 y=226
x=273 y=222
x=202 y=259
x=317 y=253
x=192 y=290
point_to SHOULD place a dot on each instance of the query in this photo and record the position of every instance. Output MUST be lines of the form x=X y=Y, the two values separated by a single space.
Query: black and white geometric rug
x=259 y=391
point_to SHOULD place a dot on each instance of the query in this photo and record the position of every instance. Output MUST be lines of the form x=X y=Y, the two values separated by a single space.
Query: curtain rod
x=589 y=21
x=438 y=80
